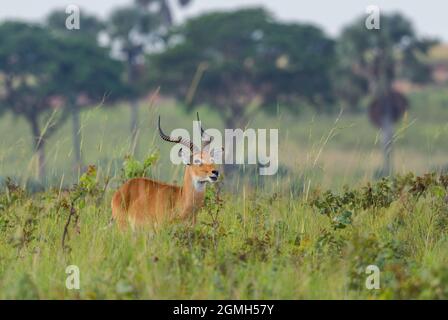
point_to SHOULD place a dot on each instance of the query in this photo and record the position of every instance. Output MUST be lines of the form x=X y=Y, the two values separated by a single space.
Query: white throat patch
x=199 y=186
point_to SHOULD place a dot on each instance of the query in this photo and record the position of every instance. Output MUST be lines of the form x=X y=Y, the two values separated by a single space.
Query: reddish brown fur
x=140 y=202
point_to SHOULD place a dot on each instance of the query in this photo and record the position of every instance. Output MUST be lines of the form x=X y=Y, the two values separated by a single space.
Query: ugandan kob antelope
x=141 y=201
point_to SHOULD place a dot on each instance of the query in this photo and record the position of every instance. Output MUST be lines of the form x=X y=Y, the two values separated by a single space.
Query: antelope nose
x=215 y=172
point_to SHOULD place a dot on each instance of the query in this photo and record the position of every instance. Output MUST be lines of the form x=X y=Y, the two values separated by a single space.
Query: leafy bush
x=258 y=246
x=379 y=195
x=133 y=168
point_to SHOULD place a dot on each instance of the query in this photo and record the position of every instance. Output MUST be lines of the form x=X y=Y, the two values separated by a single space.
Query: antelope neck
x=192 y=191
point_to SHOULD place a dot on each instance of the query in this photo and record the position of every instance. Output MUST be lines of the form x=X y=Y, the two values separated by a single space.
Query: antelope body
x=141 y=202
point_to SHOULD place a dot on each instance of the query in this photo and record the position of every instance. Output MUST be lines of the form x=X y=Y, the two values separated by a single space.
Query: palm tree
x=370 y=63
x=135 y=29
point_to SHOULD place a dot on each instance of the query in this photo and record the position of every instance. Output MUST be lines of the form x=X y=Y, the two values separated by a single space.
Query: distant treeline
x=237 y=62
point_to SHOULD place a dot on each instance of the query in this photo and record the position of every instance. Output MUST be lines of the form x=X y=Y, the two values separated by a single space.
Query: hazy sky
x=430 y=16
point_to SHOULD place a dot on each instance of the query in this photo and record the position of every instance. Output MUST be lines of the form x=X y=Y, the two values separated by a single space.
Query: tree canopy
x=90 y=27
x=368 y=58
x=234 y=60
x=43 y=73
x=370 y=61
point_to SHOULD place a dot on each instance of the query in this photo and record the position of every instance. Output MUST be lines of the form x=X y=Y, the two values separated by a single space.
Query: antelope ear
x=185 y=155
x=217 y=153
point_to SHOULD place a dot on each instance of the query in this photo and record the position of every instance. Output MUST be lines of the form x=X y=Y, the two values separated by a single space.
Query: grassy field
x=253 y=246
x=325 y=150
x=271 y=243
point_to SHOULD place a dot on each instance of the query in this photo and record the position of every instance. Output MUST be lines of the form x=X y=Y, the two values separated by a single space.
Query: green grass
x=269 y=243
x=326 y=149
x=256 y=246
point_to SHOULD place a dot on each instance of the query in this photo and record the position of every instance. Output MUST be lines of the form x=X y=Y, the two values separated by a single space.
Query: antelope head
x=200 y=162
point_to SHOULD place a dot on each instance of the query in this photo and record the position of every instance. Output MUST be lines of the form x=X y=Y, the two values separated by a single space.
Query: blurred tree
x=250 y=61
x=42 y=72
x=86 y=73
x=90 y=27
x=165 y=8
x=133 y=30
x=370 y=61
x=28 y=58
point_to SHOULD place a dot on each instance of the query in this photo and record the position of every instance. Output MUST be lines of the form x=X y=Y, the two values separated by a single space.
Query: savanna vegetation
x=302 y=234
x=78 y=118
x=253 y=246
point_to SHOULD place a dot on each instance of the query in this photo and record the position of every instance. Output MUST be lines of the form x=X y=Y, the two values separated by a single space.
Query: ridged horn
x=208 y=139
x=186 y=142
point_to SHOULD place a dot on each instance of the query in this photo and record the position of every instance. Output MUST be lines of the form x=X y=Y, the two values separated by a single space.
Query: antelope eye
x=212 y=160
x=197 y=161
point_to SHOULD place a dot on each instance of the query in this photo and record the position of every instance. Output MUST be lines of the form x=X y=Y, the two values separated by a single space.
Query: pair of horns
x=206 y=139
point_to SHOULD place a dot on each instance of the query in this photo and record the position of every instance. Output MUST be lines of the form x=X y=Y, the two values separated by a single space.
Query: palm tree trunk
x=165 y=12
